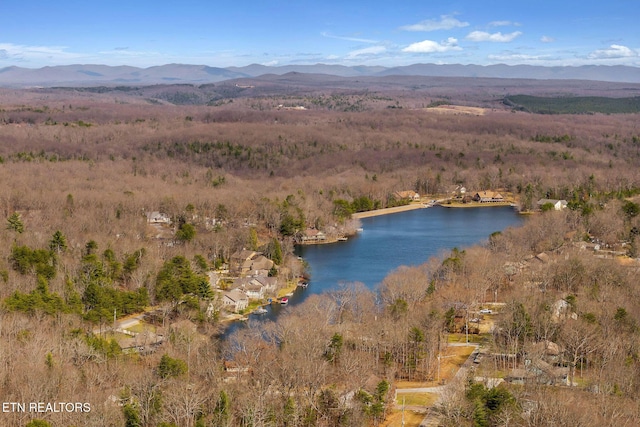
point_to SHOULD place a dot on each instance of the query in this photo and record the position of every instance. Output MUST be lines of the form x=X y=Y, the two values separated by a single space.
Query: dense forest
x=574 y=104
x=82 y=170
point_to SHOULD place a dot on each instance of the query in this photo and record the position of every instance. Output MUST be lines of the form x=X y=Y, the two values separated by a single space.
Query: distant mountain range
x=97 y=75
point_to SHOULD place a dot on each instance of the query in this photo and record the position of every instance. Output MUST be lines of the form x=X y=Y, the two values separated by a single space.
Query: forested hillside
x=115 y=205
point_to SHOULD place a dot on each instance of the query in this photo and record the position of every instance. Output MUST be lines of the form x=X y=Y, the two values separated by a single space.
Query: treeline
x=573 y=105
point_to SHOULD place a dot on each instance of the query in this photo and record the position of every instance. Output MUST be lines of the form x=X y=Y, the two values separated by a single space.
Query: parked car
x=486 y=311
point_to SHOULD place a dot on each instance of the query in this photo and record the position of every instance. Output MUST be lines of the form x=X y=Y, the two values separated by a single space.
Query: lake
x=389 y=241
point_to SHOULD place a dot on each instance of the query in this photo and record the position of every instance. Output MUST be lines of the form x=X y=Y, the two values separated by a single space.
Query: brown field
x=458 y=109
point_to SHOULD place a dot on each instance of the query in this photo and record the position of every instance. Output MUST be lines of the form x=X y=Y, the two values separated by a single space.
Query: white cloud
x=367 y=51
x=351 y=39
x=446 y=22
x=430 y=46
x=504 y=24
x=615 y=51
x=28 y=53
x=483 y=36
x=509 y=57
x=547 y=39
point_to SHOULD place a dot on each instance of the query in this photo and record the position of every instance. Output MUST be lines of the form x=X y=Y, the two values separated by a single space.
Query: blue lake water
x=405 y=238
x=390 y=241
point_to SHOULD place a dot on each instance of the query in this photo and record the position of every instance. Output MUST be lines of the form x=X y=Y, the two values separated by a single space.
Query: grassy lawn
x=462 y=338
x=450 y=362
x=140 y=327
x=291 y=286
x=416 y=399
x=114 y=335
x=411 y=419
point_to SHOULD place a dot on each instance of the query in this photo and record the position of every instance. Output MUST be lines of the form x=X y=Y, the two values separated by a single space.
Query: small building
x=235 y=300
x=270 y=284
x=311 y=235
x=540 y=372
x=487 y=196
x=546 y=350
x=246 y=262
x=558 y=205
x=251 y=288
x=407 y=195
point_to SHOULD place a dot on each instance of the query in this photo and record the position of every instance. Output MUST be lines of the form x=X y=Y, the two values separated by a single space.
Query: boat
x=260 y=310
x=303 y=284
x=284 y=300
x=342 y=239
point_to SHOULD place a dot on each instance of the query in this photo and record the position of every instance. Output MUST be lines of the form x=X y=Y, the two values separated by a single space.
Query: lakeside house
x=406 y=195
x=235 y=300
x=487 y=196
x=246 y=262
x=270 y=284
x=311 y=235
x=255 y=287
x=251 y=288
x=558 y=205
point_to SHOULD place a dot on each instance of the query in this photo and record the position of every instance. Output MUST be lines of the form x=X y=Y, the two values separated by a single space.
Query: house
x=254 y=291
x=558 y=205
x=546 y=373
x=270 y=284
x=260 y=265
x=488 y=197
x=312 y=235
x=545 y=350
x=459 y=191
x=251 y=288
x=156 y=217
x=406 y=195
x=519 y=376
x=540 y=372
x=235 y=300
x=246 y=262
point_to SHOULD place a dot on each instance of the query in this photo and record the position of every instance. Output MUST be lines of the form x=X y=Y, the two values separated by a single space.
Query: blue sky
x=35 y=33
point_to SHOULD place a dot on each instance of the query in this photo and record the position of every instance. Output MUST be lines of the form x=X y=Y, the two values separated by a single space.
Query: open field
x=411 y=419
x=457 y=109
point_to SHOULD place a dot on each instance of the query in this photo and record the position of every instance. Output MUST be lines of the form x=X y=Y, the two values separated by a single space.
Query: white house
x=558 y=205
x=313 y=235
x=407 y=194
x=269 y=283
x=236 y=300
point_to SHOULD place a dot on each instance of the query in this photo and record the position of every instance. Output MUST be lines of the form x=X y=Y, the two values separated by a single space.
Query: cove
x=388 y=242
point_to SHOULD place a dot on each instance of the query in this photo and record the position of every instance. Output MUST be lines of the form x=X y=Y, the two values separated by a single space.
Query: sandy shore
x=387 y=211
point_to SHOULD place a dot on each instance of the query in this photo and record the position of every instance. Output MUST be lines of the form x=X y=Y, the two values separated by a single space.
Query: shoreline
x=477 y=205
x=387 y=211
